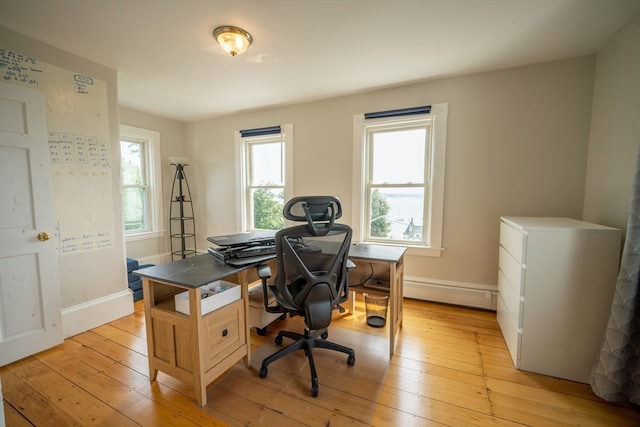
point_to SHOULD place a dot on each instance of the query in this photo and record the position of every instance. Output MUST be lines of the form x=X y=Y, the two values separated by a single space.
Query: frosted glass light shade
x=233 y=40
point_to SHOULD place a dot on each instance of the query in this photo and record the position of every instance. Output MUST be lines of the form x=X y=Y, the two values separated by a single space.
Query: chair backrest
x=312 y=259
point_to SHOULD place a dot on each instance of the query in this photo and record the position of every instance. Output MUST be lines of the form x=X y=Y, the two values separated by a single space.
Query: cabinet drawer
x=513 y=241
x=223 y=332
x=512 y=270
x=512 y=302
x=512 y=335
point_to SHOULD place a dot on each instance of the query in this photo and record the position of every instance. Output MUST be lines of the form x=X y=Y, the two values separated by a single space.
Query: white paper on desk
x=212 y=296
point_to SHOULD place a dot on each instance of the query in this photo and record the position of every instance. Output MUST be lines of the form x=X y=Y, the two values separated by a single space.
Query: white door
x=30 y=312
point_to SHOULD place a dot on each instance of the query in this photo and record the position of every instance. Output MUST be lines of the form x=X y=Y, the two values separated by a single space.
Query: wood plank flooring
x=451 y=368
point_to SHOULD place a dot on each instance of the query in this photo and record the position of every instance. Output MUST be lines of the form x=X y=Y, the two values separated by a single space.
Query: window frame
x=243 y=170
x=434 y=171
x=153 y=177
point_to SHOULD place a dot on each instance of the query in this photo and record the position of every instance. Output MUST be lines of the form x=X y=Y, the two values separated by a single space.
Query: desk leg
x=243 y=280
x=352 y=302
x=393 y=295
x=396 y=285
x=149 y=299
x=197 y=344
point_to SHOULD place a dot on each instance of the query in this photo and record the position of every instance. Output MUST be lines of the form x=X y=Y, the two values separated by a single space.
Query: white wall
x=93 y=284
x=615 y=129
x=517 y=145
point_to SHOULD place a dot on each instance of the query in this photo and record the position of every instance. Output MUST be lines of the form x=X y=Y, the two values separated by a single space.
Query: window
x=141 y=182
x=265 y=163
x=399 y=178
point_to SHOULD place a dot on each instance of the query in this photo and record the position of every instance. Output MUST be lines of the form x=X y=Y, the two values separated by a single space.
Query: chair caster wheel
x=278 y=340
x=351 y=360
x=324 y=335
x=263 y=372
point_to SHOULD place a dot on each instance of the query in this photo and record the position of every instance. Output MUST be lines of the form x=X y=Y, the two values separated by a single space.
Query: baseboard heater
x=469 y=295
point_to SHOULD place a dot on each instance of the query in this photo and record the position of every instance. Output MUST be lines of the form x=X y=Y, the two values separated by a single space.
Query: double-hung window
x=264 y=158
x=141 y=182
x=399 y=177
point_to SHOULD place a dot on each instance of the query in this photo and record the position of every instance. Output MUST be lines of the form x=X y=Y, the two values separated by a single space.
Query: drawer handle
x=225 y=332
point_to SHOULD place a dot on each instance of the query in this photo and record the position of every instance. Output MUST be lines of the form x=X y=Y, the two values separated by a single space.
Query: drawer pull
x=225 y=332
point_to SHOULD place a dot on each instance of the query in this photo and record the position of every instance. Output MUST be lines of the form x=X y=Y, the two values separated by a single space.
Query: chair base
x=307 y=342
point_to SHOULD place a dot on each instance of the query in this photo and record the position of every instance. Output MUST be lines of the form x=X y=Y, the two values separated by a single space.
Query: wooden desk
x=195 y=348
x=387 y=263
x=198 y=348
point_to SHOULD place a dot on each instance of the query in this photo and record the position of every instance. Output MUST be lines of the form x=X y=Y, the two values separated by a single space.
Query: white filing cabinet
x=556 y=281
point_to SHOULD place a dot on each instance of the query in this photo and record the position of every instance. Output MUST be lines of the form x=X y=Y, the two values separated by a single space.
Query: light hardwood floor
x=451 y=368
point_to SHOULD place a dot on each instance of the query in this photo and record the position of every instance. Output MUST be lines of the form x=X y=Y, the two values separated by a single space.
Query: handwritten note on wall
x=79 y=149
x=83 y=163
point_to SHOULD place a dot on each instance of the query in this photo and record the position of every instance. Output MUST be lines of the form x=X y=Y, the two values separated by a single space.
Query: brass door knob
x=43 y=237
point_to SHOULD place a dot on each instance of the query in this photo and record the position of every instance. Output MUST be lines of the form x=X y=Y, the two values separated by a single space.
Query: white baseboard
x=82 y=317
x=161 y=258
x=155 y=260
x=458 y=293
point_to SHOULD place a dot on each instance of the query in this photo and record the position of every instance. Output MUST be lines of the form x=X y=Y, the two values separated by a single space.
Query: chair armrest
x=264 y=271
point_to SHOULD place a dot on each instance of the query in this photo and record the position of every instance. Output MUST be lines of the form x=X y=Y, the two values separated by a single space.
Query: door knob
x=43 y=237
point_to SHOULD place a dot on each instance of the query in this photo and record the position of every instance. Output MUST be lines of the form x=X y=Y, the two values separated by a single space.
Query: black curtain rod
x=400 y=112
x=271 y=130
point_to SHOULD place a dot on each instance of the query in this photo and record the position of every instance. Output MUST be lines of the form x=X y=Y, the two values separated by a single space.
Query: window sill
x=144 y=236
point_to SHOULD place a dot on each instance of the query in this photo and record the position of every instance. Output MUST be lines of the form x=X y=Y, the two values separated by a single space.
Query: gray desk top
x=191 y=272
x=197 y=271
x=376 y=252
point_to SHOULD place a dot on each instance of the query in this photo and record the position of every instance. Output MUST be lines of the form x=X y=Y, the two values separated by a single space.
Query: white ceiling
x=169 y=65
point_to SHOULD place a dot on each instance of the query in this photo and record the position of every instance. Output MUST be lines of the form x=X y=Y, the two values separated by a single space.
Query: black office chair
x=312 y=277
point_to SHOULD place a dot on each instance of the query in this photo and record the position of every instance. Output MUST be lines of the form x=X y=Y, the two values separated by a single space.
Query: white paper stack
x=212 y=296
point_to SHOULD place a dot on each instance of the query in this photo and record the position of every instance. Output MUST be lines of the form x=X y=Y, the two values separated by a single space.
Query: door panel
x=30 y=312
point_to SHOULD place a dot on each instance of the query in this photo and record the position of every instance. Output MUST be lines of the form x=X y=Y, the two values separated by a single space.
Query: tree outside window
x=380 y=227
x=267 y=209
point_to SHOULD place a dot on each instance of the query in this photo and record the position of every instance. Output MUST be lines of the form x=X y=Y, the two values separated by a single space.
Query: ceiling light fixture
x=233 y=40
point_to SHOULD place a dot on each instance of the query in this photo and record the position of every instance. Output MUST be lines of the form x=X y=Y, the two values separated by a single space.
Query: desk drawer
x=223 y=332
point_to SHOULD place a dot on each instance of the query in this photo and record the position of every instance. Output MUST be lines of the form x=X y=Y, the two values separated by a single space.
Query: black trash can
x=376 y=308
